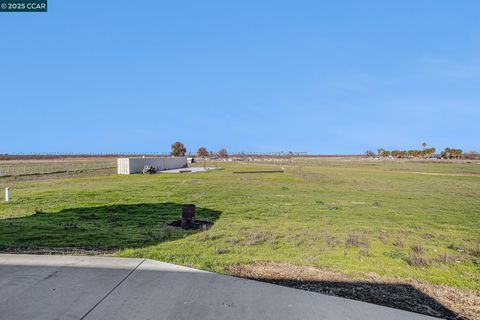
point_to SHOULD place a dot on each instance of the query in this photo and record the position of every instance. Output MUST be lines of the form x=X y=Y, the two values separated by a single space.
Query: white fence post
x=7 y=194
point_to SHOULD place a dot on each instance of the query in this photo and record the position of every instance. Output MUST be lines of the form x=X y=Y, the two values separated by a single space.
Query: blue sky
x=324 y=77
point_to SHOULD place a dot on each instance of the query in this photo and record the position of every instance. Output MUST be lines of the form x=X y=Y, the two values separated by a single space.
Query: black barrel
x=188 y=215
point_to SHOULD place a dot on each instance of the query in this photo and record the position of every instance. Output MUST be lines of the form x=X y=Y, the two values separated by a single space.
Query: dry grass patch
x=416 y=260
x=357 y=239
x=411 y=295
x=399 y=242
x=221 y=251
x=446 y=258
x=418 y=248
x=383 y=236
x=330 y=240
x=258 y=237
x=475 y=252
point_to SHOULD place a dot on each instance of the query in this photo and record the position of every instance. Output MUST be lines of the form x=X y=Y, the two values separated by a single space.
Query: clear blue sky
x=316 y=76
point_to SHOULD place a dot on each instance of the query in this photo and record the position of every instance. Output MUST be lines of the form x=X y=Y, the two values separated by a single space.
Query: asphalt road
x=77 y=287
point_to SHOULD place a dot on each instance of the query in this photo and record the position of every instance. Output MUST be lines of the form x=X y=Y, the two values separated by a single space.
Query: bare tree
x=472 y=155
x=222 y=153
x=202 y=152
x=178 y=149
x=370 y=153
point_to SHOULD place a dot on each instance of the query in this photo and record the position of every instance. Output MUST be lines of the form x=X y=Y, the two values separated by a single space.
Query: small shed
x=136 y=165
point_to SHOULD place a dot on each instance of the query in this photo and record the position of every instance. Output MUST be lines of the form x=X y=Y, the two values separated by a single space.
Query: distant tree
x=446 y=153
x=178 y=149
x=222 y=153
x=457 y=153
x=370 y=153
x=428 y=152
x=202 y=152
x=472 y=155
x=424 y=145
x=411 y=154
x=450 y=153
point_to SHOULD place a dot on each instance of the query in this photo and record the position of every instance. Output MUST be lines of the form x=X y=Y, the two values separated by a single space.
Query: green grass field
x=388 y=218
x=35 y=167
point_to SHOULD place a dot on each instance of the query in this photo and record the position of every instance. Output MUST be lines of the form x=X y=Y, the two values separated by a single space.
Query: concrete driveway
x=76 y=287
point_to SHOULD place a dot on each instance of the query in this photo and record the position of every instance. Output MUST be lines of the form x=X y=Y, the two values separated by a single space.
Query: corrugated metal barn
x=136 y=165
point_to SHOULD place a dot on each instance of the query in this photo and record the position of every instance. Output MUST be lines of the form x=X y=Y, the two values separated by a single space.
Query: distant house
x=435 y=156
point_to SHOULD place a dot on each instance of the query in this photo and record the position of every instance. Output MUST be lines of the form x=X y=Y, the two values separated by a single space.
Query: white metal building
x=136 y=165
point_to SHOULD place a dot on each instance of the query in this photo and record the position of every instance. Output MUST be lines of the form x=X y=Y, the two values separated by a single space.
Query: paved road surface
x=76 y=287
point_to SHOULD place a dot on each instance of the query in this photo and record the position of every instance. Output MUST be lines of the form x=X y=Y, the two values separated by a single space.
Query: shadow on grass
x=95 y=229
x=395 y=295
